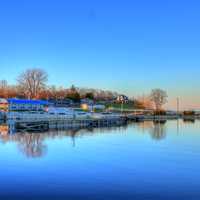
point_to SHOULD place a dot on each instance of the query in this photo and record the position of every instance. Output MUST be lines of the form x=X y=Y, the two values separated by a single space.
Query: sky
x=129 y=46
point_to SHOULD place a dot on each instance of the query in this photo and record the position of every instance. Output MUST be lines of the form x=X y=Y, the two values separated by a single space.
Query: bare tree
x=6 y=90
x=3 y=88
x=159 y=98
x=3 y=84
x=32 y=82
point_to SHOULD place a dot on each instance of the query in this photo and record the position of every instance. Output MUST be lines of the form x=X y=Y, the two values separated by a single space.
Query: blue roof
x=27 y=101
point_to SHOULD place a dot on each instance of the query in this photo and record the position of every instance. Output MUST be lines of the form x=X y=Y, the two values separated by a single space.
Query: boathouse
x=24 y=105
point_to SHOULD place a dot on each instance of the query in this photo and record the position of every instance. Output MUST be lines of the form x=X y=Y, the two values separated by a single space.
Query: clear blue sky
x=127 y=46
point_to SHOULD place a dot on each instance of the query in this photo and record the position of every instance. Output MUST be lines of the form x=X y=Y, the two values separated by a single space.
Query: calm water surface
x=140 y=161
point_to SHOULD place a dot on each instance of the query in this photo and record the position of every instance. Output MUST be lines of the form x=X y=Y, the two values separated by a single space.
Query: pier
x=39 y=123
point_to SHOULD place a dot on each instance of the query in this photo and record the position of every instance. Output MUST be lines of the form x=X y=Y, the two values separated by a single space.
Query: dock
x=2 y=116
x=138 y=118
x=37 y=123
x=41 y=122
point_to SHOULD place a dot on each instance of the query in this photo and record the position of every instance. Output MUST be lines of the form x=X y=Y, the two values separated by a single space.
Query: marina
x=40 y=123
x=23 y=115
x=99 y=100
x=110 y=161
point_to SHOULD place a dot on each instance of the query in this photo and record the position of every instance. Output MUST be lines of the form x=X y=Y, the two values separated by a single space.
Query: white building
x=122 y=99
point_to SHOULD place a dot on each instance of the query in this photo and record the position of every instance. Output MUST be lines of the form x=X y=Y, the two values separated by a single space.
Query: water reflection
x=33 y=144
x=157 y=129
x=189 y=121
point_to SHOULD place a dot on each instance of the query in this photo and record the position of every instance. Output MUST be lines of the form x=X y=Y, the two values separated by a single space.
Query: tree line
x=33 y=84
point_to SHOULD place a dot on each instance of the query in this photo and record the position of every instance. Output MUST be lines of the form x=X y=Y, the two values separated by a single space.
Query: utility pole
x=177 y=101
x=143 y=98
x=177 y=104
x=122 y=103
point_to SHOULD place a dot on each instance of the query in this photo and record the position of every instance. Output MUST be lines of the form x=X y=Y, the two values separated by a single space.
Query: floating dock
x=2 y=116
x=41 y=122
x=36 y=123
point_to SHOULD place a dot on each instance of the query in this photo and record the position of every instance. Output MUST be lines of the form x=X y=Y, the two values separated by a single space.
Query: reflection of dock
x=2 y=116
x=189 y=118
x=33 y=144
x=31 y=126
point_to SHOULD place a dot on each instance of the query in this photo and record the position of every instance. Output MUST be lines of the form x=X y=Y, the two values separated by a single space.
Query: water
x=140 y=161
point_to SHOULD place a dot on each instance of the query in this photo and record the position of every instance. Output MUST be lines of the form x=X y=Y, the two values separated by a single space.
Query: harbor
x=99 y=100
x=45 y=122
x=40 y=116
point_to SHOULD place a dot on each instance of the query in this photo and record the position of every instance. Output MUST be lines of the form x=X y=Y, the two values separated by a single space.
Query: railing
x=30 y=117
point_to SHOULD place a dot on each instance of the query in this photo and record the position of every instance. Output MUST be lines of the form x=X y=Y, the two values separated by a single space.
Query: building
x=3 y=105
x=89 y=104
x=22 y=105
x=171 y=112
x=60 y=102
x=87 y=101
x=95 y=107
x=122 y=99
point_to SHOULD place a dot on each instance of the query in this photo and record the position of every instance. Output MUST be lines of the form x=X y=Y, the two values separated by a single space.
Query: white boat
x=82 y=115
x=65 y=112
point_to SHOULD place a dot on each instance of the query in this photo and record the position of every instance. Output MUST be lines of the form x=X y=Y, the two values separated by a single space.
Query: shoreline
x=38 y=124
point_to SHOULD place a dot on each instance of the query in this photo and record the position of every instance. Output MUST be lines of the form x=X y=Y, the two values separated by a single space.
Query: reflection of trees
x=32 y=144
x=158 y=131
